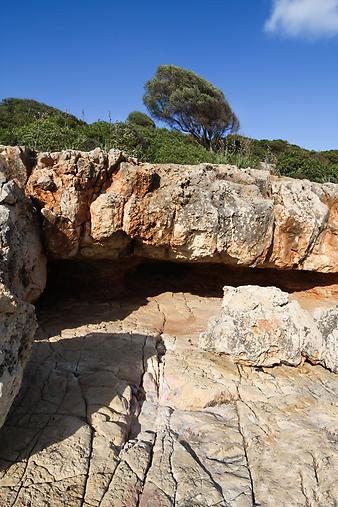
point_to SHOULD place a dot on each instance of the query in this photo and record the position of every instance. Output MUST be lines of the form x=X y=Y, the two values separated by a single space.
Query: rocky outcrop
x=99 y=205
x=120 y=404
x=22 y=271
x=16 y=163
x=22 y=260
x=261 y=326
x=63 y=185
x=17 y=329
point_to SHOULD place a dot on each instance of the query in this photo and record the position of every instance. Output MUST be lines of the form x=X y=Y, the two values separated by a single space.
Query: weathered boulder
x=17 y=329
x=261 y=326
x=101 y=205
x=22 y=260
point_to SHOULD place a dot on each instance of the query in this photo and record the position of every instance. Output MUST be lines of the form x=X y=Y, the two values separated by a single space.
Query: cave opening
x=105 y=280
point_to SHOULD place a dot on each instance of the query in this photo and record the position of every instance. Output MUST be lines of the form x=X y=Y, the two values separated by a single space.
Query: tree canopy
x=141 y=119
x=190 y=104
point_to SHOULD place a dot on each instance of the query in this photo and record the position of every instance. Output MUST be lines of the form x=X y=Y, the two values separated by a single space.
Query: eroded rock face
x=98 y=205
x=16 y=164
x=22 y=259
x=17 y=329
x=261 y=326
x=63 y=185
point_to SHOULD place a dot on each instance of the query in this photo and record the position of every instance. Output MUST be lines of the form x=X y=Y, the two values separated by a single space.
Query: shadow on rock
x=74 y=389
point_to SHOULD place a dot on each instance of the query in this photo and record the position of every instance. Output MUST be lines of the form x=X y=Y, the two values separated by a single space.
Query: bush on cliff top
x=45 y=128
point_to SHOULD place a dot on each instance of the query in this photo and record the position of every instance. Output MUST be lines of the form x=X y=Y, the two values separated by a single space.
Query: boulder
x=261 y=326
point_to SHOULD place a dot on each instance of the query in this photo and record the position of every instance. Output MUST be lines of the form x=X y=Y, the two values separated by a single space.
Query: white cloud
x=309 y=18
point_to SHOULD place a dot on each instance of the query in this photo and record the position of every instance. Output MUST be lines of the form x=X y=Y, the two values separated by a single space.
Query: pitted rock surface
x=22 y=259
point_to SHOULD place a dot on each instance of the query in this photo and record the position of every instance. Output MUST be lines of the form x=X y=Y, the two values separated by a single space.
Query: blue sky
x=276 y=61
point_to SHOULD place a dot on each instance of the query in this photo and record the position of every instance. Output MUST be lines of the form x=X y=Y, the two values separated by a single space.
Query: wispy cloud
x=309 y=18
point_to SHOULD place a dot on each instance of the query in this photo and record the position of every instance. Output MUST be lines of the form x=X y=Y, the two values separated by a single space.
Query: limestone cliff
x=103 y=205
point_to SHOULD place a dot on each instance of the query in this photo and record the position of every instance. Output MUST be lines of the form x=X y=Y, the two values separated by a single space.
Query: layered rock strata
x=99 y=205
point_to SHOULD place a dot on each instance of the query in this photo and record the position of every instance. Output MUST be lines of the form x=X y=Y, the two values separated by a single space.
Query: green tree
x=140 y=119
x=190 y=104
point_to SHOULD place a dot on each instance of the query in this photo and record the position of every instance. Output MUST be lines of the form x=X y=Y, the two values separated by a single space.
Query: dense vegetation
x=30 y=123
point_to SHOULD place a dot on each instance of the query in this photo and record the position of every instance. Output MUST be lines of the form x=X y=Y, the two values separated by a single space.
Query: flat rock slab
x=119 y=407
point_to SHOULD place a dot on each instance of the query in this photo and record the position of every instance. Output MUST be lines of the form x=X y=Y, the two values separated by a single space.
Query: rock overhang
x=106 y=205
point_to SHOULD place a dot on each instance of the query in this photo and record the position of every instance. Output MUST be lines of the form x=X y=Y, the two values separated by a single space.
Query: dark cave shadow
x=66 y=382
x=118 y=289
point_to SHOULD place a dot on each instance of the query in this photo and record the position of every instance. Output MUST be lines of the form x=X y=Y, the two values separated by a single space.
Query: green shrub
x=166 y=146
x=50 y=134
x=122 y=136
x=298 y=165
x=7 y=137
x=140 y=119
x=19 y=112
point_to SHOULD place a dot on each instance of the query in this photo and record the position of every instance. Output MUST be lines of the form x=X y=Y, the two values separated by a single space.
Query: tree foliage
x=188 y=103
x=140 y=119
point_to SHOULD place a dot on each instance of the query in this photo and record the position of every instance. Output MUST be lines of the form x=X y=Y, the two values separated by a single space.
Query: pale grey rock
x=326 y=321
x=22 y=259
x=17 y=329
x=261 y=326
x=16 y=163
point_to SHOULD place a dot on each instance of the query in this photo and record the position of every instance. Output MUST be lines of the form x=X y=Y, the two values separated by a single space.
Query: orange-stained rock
x=101 y=205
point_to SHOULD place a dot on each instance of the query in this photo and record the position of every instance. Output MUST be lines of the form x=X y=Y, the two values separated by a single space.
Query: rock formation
x=164 y=394
x=22 y=272
x=120 y=407
x=261 y=326
x=99 y=205
x=17 y=329
x=22 y=259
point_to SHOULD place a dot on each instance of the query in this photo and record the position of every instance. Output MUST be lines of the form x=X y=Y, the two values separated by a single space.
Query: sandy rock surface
x=119 y=407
